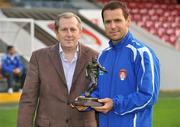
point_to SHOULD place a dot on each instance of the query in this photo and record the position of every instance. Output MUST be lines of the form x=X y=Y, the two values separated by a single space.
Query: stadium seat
x=159 y=17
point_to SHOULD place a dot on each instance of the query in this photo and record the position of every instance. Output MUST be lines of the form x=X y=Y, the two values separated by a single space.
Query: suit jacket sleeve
x=29 y=98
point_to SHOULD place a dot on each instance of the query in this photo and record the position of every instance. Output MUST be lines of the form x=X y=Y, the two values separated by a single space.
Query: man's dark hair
x=9 y=47
x=112 y=5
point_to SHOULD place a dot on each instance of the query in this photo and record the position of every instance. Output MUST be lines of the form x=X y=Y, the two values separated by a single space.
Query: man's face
x=69 y=32
x=116 y=26
x=12 y=52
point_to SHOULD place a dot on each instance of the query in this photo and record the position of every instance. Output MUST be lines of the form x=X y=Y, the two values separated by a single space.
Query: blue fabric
x=134 y=93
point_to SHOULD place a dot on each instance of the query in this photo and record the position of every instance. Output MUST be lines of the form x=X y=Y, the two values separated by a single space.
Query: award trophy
x=92 y=73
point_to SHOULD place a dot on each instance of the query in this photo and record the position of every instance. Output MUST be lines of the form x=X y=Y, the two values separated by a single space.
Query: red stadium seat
x=160 y=17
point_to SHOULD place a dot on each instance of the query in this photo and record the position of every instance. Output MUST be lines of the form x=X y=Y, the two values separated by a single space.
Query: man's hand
x=16 y=71
x=108 y=105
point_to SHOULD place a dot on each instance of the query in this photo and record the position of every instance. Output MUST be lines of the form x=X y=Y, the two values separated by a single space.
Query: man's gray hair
x=66 y=15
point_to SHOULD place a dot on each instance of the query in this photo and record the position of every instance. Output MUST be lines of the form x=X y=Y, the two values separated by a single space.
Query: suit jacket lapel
x=80 y=64
x=55 y=58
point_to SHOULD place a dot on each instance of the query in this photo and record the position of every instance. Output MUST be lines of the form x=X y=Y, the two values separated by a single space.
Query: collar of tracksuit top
x=122 y=42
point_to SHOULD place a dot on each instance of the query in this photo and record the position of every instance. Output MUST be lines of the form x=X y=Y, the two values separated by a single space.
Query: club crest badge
x=122 y=74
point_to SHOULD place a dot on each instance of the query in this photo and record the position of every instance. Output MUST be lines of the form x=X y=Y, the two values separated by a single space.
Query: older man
x=55 y=77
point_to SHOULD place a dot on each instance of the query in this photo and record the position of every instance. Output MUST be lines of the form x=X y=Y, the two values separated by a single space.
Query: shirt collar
x=122 y=42
x=61 y=52
x=11 y=56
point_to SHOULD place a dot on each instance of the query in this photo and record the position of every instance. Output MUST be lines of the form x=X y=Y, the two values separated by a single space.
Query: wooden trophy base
x=87 y=102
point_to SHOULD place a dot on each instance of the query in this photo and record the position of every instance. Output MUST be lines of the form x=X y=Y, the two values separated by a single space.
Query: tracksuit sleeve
x=145 y=94
x=5 y=67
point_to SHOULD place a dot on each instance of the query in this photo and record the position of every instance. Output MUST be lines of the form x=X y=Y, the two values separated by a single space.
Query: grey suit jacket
x=45 y=97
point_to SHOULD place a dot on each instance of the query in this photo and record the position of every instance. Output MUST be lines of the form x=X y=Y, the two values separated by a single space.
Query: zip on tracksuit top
x=132 y=81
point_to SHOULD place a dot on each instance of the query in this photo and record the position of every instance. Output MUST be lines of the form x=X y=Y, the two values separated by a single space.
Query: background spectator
x=13 y=69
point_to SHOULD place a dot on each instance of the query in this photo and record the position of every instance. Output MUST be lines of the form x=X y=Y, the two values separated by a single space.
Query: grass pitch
x=8 y=115
x=166 y=112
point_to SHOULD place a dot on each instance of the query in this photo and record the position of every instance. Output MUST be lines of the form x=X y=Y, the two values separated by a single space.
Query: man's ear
x=80 y=33
x=55 y=31
x=129 y=21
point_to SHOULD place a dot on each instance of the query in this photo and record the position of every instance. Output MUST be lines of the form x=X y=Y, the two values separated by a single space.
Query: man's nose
x=69 y=32
x=113 y=25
